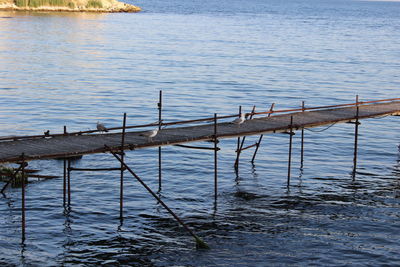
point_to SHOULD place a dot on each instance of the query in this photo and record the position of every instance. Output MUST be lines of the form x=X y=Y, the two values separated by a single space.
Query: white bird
x=239 y=120
x=150 y=134
x=101 y=127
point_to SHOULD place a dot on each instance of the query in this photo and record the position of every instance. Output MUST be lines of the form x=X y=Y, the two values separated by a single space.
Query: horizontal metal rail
x=197 y=147
x=247 y=147
x=95 y=169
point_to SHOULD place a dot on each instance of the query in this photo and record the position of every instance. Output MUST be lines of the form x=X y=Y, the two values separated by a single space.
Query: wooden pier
x=21 y=149
x=81 y=143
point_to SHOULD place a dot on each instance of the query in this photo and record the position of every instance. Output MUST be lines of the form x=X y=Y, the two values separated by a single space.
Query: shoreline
x=115 y=7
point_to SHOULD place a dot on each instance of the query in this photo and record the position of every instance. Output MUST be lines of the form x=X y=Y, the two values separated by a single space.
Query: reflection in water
x=22 y=257
x=299 y=184
x=41 y=14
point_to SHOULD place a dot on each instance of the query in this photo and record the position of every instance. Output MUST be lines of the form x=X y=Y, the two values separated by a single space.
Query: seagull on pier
x=150 y=134
x=101 y=127
x=239 y=120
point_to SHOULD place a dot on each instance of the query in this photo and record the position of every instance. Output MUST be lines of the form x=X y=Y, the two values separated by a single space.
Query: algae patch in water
x=7 y=172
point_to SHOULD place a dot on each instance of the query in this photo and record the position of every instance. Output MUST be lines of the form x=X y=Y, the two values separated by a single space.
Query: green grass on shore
x=38 y=3
x=61 y=3
x=94 y=4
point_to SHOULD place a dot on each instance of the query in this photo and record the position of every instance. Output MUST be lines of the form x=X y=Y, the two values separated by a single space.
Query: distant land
x=68 y=5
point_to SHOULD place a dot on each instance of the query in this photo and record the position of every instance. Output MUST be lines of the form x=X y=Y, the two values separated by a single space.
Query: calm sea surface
x=207 y=56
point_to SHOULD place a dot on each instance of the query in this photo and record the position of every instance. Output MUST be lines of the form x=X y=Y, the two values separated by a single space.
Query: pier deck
x=59 y=146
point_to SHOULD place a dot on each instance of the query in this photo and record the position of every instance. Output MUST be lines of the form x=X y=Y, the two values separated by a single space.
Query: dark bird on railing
x=101 y=127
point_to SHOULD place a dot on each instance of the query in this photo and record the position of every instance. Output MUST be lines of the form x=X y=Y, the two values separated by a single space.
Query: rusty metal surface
x=73 y=145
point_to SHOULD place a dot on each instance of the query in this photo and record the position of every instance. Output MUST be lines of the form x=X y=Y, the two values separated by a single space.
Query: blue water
x=207 y=56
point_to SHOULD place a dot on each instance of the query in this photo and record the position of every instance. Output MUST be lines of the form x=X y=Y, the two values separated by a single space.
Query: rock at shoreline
x=68 y=5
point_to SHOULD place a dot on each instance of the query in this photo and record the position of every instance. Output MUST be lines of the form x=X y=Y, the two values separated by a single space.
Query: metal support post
x=215 y=159
x=236 y=165
x=23 y=197
x=69 y=182
x=121 y=188
x=64 y=182
x=290 y=150
x=159 y=148
x=65 y=174
x=302 y=140
x=355 y=141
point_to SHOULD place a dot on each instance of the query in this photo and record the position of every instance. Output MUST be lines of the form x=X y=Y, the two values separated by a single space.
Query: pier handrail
x=15 y=138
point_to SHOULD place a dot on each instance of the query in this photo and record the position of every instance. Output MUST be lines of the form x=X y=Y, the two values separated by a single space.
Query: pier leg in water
x=159 y=148
x=355 y=141
x=121 y=187
x=215 y=159
x=256 y=150
x=65 y=174
x=236 y=165
x=302 y=141
x=69 y=182
x=290 y=149
x=199 y=243
x=65 y=182
x=23 y=197
x=238 y=146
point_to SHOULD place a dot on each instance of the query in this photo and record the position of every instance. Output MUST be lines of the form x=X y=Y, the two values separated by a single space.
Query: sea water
x=207 y=57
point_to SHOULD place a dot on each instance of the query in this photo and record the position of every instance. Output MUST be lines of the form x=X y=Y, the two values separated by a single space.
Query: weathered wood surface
x=64 y=146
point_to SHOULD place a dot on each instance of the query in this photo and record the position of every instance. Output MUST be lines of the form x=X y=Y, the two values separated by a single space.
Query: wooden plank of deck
x=64 y=146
